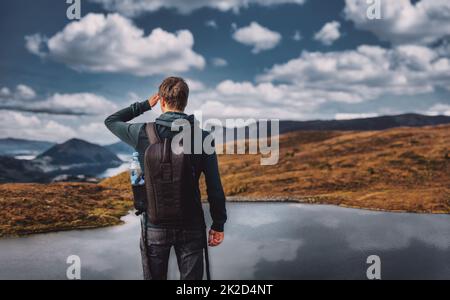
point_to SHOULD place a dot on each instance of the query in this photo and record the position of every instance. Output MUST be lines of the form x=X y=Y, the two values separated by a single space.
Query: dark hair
x=175 y=92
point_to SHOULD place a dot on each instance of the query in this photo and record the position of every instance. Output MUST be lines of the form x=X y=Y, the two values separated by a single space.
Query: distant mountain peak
x=78 y=151
x=76 y=141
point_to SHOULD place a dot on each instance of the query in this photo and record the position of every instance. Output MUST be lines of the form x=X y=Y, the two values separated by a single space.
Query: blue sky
x=287 y=59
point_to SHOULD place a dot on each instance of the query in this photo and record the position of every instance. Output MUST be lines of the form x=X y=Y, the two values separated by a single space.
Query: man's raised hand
x=153 y=100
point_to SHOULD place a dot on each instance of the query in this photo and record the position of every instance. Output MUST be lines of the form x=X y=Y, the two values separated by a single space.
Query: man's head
x=174 y=93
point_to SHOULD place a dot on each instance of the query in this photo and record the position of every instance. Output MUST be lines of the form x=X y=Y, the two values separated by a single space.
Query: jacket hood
x=166 y=119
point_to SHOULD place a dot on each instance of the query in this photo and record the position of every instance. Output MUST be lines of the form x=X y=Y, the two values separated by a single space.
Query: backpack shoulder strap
x=152 y=133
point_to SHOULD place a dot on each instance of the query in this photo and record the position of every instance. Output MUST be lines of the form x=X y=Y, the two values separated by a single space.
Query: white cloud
x=219 y=62
x=34 y=43
x=4 y=91
x=57 y=117
x=194 y=85
x=297 y=36
x=95 y=132
x=22 y=92
x=53 y=128
x=263 y=100
x=402 y=22
x=137 y=7
x=29 y=126
x=329 y=33
x=70 y=104
x=299 y=88
x=219 y=109
x=365 y=73
x=25 y=92
x=439 y=109
x=78 y=103
x=211 y=23
x=349 y=116
x=257 y=36
x=132 y=97
x=113 y=44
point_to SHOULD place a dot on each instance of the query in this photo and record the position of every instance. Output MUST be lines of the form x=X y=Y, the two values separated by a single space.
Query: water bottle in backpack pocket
x=138 y=185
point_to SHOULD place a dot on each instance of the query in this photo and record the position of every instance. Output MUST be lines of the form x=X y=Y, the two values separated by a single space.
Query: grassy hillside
x=402 y=169
x=33 y=208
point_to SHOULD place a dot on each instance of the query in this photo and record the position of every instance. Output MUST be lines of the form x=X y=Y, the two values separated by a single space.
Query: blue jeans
x=188 y=243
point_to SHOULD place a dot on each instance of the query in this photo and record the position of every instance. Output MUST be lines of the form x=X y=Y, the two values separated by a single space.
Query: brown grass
x=36 y=208
x=403 y=169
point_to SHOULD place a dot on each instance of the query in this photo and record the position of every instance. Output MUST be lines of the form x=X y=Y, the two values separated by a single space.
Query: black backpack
x=165 y=178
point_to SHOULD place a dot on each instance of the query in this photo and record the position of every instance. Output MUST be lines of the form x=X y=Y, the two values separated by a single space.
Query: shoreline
x=67 y=228
x=307 y=200
x=312 y=200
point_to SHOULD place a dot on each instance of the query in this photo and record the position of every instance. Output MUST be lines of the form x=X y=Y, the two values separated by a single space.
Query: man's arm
x=216 y=196
x=117 y=122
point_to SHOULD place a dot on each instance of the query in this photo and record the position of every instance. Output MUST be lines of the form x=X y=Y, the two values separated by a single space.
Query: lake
x=262 y=241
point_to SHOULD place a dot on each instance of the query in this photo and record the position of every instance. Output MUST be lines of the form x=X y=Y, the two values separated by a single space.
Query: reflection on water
x=263 y=241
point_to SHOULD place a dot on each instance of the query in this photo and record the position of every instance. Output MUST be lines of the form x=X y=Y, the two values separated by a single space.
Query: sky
x=263 y=59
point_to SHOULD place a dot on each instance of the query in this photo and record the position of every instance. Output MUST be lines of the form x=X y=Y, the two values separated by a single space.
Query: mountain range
x=362 y=124
x=73 y=157
x=78 y=157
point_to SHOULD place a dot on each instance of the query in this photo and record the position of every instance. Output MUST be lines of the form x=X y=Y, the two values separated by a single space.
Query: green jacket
x=134 y=135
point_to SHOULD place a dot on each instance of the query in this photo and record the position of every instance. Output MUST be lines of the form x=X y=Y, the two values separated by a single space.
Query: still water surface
x=263 y=241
